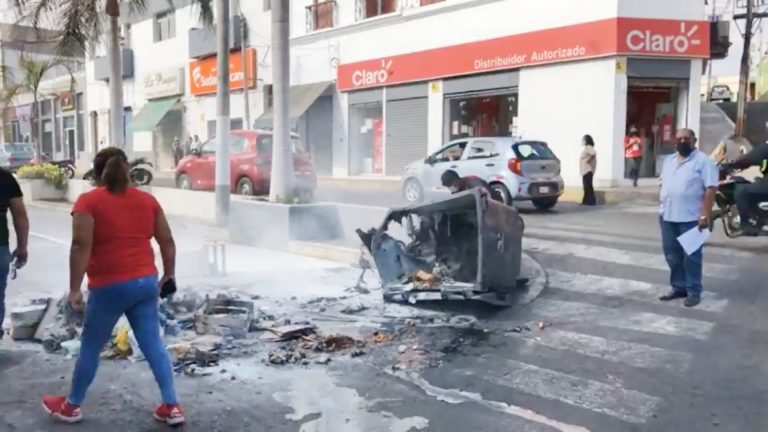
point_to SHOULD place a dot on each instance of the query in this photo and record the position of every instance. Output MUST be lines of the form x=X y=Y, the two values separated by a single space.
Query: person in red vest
x=633 y=152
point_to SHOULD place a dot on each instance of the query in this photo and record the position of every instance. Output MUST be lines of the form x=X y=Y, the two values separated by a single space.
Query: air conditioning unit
x=719 y=39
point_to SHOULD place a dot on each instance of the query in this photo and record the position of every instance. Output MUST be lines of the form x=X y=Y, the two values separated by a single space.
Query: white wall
x=435 y=116
x=661 y=9
x=555 y=110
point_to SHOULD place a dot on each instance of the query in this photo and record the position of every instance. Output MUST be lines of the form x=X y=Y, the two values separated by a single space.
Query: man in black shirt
x=11 y=199
x=455 y=183
x=748 y=196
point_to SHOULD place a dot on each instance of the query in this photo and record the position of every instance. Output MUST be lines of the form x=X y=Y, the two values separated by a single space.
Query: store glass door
x=654 y=110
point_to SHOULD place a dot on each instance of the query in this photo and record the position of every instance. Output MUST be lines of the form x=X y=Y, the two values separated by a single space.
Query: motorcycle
x=725 y=199
x=139 y=173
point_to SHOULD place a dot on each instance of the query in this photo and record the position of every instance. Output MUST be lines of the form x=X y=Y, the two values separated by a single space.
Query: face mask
x=684 y=148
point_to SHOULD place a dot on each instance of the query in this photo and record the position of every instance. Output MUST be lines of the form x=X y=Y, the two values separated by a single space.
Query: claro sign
x=633 y=37
x=375 y=77
x=203 y=74
x=666 y=38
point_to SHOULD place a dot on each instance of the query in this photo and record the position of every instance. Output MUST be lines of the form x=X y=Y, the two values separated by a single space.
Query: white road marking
x=618 y=256
x=634 y=354
x=627 y=288
x=49 y=238
x=564 y=311
x=455 y=397
x=627 y=405
x=620 y=240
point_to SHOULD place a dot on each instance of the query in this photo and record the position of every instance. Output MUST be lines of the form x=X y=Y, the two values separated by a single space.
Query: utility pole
x=244 y=55
x=222 y=114
x=281 y=186
x=115 y=58
x=712 y=18
x=744 y=74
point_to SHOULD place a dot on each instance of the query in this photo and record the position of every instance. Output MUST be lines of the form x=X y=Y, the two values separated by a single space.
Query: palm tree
x=81 y=25
x=34 y=72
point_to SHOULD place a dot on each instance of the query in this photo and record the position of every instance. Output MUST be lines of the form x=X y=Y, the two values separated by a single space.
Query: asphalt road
x=609 y=358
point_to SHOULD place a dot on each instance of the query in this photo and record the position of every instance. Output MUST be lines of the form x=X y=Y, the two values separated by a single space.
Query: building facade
x=377 y=84
x=58 y=123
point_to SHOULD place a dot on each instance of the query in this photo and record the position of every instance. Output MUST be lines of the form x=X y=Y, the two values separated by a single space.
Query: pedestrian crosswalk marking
x=613 y=400
x=617 y=256
x=625 y=288
x=566 y=311
x=591 y=236
x=633 y=354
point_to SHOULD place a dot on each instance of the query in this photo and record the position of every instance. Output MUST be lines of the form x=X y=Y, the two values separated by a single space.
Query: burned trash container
x=464 y=247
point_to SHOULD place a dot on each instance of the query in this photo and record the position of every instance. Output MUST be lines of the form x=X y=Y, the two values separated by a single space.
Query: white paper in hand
x=693 y=239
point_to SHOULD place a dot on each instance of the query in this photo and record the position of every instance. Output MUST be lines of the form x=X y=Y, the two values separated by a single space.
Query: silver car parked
x=516 y=169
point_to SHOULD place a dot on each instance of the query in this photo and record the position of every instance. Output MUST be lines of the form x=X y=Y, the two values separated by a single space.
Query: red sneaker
x=59 y=409
x=170 y=414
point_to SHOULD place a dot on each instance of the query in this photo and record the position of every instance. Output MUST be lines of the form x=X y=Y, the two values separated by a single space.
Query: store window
x=366 y=139
x=485 y=115
x=165 y=26
x=375 y=8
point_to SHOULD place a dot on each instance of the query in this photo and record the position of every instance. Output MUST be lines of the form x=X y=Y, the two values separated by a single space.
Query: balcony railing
x=202 y=41
x=101 y=65
x=321 y=15
x=365 y=9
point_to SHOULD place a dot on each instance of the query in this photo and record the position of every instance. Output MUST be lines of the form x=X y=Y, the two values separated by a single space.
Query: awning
x=151 y=114
x=302 y=97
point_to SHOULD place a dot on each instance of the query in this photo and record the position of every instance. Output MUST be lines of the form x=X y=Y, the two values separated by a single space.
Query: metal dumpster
x=464 y=247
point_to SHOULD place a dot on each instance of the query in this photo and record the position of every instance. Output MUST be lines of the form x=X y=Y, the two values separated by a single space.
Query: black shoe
x=673 y=295
x=692 y=301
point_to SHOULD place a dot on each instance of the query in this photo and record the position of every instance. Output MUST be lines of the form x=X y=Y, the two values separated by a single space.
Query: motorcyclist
x=748 y=196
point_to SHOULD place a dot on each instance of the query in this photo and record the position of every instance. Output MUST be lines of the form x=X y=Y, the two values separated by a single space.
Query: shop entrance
x=655 y=109
x=481 y=114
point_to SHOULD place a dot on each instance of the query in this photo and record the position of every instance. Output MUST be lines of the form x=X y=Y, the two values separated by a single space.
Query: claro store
x=556 y=84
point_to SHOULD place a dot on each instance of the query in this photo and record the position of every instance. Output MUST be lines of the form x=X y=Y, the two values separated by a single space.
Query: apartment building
x=376 y=84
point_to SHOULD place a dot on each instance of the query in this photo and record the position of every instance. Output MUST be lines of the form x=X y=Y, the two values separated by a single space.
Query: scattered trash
x=381 y=337
x=288 y=332
x=324 y=360
x=224 y=316
x=543 y=325
x=353 y=309
x=26 y=319
x=357 y=353
x=402 y=349
x=71 y=347
x=519 y=329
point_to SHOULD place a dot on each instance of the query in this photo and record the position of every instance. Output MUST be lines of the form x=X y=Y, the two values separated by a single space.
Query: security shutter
x=406 y=129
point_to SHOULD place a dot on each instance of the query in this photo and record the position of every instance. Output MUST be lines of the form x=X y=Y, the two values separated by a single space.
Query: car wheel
x=544 y=204
x=182 y=182
x=413 y=192
x=498 y=190
x=245 y=186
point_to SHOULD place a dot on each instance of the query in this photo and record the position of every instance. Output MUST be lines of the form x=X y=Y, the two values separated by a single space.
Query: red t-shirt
x=124 y=225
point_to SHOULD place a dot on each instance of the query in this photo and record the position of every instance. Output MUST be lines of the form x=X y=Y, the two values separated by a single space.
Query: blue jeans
x=138 y=300
x=685 y=270
x=5 y=266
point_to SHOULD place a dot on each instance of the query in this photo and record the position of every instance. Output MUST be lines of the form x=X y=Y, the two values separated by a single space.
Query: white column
x=435 y=116
x=694 y=100
x=340 y=135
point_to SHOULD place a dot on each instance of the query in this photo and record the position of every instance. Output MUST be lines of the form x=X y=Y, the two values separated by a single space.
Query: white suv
x=517 y=169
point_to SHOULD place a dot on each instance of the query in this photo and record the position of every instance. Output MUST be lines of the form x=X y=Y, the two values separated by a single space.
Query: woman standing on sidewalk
x=587 y=165
x=111 y=233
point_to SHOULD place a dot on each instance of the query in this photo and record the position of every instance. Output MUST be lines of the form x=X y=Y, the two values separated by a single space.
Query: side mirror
x=430 y=160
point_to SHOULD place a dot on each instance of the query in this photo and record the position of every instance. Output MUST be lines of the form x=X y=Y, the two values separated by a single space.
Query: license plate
x=544 y=189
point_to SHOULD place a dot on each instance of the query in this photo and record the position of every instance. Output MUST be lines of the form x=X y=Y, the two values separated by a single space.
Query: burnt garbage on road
x=465 y=247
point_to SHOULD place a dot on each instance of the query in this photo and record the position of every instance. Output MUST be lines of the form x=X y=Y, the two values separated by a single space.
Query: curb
x=529 y=267
x=50 y=205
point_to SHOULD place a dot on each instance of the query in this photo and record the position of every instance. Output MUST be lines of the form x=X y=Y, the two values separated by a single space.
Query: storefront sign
x=203 y=74
x=67 y=101
x=164 y=83
x=378 y=146
x=611 y=37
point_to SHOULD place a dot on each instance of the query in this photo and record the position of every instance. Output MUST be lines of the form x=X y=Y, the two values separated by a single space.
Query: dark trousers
x=589 y=189
x=685 y=270
x=634 y=169
x=748 y=196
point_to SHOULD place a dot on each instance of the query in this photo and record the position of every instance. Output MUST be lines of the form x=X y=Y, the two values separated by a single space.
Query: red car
x=250 y=156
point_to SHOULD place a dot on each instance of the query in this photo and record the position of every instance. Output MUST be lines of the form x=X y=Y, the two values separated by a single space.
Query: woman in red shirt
x=633 y=152
x=112 y=229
